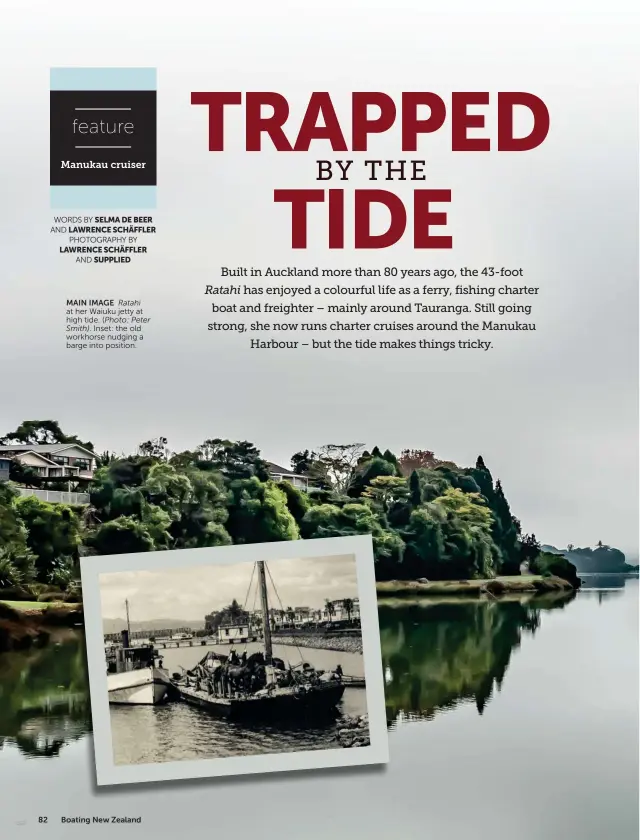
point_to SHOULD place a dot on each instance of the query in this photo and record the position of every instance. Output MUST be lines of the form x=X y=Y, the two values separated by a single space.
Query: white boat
x=147 y=686
x=135 y=675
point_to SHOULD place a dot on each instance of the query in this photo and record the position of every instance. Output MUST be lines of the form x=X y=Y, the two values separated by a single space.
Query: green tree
x=258 y=512
x=298 y=501
x=54 y=535
x=124 y=535
x=415 y=490
x=39 y=432
x=368 y=471
x=384 y=490
x=235 y=459
x=17 y=557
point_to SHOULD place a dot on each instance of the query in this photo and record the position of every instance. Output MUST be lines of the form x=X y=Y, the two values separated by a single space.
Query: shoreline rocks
x=345 y=644
x=354 y=732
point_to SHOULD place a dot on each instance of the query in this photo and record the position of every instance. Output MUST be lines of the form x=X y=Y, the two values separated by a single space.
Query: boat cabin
x=123 y=657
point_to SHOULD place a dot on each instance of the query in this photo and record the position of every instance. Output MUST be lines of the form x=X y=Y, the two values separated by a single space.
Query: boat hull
x=144 y=686
x=283 y=705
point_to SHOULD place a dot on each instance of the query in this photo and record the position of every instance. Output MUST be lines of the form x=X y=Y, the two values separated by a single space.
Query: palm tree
x=348 y=607
x=331 y=610
x=290 y=614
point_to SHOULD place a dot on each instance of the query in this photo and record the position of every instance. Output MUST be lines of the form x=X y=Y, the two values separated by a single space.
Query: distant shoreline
x=474 y=588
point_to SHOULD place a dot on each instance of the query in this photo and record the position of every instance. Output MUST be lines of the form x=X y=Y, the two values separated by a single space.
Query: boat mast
x=268 y=650
x=126 y=606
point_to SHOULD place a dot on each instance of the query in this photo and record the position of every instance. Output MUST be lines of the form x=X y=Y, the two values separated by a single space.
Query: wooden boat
x=134 y=674
x=260 y=686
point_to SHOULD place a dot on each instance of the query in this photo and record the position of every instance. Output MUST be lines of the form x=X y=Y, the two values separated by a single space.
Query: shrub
x=555 y=565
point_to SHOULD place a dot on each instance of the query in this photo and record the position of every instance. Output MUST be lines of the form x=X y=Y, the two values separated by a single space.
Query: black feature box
x=112 y=133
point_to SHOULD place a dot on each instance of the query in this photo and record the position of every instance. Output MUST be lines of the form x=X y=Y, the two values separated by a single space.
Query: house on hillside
x=53 y=460
x=277 y=473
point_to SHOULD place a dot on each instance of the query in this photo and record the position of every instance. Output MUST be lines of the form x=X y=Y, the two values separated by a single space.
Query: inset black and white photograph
x=234 y=660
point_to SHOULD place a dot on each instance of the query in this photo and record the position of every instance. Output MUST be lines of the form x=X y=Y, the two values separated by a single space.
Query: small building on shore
x=233 y=633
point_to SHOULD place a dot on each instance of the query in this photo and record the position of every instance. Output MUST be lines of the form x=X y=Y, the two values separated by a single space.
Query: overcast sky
x=194 y=591
x=553 y=412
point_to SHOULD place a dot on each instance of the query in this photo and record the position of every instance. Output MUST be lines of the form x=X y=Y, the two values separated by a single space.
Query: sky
x=554 y=412
x=194 y=591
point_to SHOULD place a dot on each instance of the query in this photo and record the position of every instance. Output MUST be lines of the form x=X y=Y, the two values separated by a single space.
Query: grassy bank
x=33 y=606
x=474 y=588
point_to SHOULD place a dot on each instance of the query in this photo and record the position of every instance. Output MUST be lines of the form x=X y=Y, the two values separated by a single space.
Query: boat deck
x=281 y=702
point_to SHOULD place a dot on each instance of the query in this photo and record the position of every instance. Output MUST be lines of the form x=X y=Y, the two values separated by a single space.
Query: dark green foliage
x=258 y=512
x=555 y=564
x=367 y=471
x=298 y=502
x=124 y=535
x=415 y=489
x=54 y=536
x=427 y=517
x=41 y=431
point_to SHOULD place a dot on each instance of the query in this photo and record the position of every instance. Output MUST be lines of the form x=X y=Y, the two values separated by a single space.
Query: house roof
x=38 y=455
x=278 y=470
x=47 y=448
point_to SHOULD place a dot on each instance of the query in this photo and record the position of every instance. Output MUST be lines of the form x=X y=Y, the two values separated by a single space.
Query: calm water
x=178 y=732
x=507 y=719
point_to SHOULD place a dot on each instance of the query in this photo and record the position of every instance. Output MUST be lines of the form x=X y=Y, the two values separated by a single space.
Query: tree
x=368 y=470
x=415 y=459
x=124 y=535
x=156 y=448
x=302 y=462
x=39 y=432
x=415 y=490
x=331 y=610
x=298 y=501
x=235 y=459
x=290 y=614
x=54 y=535
x=529 y=548
x=386 y=489
x=348 y=607
x=339 y=462
x=570 y=546
x=258 y=512
x=18 y=559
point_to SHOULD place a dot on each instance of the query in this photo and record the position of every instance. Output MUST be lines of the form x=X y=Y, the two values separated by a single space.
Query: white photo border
x=109 y=773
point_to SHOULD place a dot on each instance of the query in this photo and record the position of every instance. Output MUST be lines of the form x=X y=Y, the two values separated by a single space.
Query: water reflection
x=438 y=654
x=44 y=696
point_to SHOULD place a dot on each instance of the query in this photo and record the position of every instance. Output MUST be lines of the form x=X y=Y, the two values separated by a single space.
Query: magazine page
x=319 y=421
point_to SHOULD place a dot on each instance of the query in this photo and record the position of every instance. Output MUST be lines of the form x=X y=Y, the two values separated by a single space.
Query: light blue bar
x=103 y=78
x=103 y=197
